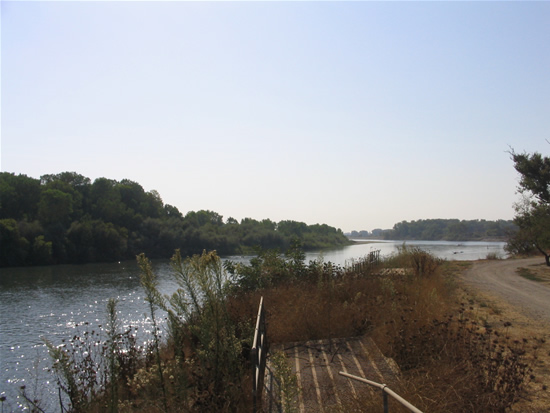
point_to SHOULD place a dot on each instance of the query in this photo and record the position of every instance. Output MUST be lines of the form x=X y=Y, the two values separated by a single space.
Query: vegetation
x=66 y=218
x=530 y=275
x=533 y=210
x=444 y=229
x=450 y=360
x=493 y=256
x=287 y=381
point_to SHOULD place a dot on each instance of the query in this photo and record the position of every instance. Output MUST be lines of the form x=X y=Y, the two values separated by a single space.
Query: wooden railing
x=258 y=356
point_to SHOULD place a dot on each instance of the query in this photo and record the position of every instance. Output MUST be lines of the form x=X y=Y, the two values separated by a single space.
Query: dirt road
x=500 y=279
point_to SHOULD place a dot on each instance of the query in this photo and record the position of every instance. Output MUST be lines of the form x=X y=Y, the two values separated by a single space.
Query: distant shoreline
x=360 y=240
x=366 y=241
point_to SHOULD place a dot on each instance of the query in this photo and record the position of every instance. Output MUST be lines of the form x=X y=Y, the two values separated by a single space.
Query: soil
x=517 y=291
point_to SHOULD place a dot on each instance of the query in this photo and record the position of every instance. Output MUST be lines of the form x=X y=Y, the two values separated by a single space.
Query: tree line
x=67 y=218
x=444 y=229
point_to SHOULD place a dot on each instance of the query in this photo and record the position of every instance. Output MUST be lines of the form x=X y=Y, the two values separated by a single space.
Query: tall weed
x=201 y=302
x=155 y=300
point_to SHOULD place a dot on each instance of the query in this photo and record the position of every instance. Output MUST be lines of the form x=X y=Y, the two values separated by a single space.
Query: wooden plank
x=315 y=362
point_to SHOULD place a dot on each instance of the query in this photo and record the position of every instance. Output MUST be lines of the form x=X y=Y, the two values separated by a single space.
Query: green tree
x=231 y=221
x=71 y=178
x=13 y=248
x=55 y=206
x=533 y=220
x=533 y=211
x=171 y=211
x=534 y=170
x=105 y=201
x=76 y=197
x=42 y=251
x=19 y=196
x=154 y=204
x=110 y=242
x=202 y=218
x=81 y=242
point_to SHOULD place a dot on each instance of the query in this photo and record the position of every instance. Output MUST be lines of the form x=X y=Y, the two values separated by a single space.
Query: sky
x=358 y=115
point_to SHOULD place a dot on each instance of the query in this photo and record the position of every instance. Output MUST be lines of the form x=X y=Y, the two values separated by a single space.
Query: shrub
x=200 y=305
x=493 y=256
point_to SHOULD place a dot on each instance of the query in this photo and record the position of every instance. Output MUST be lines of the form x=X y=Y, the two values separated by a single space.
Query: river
x=54 y=302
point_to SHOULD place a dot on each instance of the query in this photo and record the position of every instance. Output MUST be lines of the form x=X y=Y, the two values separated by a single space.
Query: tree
x=64 y=217
x=154 y=204
x=231 y=221
x=19 y=196
x=533 y=211
x=55 y=206
x=535 y=175
x=41 y=253
x=105 y=200
x=72 y=178
x=533 y=220
x=13 y=248
x=171 y=211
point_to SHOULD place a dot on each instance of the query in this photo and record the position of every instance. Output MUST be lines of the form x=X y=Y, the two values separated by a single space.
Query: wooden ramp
x=317 y=363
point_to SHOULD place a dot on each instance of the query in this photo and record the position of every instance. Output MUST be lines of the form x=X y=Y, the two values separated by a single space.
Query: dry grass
x=452 y=359
x=494 y=313
x=348 y=303
x=538 y=272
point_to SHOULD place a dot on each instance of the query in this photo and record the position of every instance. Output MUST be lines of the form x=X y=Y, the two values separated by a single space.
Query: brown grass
x=451 y=360
x=348 y=305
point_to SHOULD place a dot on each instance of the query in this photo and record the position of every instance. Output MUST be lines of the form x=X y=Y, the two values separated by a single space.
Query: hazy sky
x=354 y=114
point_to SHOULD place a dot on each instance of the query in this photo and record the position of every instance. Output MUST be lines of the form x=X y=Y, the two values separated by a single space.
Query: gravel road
x=499 y=278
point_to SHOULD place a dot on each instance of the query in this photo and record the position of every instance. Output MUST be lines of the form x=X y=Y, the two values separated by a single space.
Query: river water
x=54 y=302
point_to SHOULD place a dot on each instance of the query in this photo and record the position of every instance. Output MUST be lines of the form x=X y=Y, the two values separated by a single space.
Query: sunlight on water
x=58 y=303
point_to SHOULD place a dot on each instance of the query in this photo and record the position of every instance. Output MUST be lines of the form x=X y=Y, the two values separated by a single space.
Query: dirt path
x=502 y=295
x=500 y=279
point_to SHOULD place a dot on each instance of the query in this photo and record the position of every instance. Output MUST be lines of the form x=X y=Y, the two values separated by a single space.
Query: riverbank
x=378 y=239
x=53 y=300
x=311 y=302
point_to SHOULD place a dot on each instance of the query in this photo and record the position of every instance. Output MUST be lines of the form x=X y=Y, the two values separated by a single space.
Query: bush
x=493 y=256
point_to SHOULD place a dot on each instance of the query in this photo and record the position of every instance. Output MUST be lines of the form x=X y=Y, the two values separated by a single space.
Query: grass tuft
x=528 y=274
